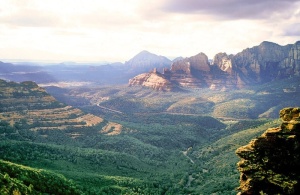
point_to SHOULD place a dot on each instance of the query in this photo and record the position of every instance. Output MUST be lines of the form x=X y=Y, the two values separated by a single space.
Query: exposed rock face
x=197 y=62
x=154 y=80
x=260 y=64
x=191 y=72
x=291 y=65
x=223 y=75
x=223 y=61
x=270 y=163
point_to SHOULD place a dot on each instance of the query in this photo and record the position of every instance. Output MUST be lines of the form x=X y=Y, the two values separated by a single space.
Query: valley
x=138 y=141
x=253 y=102
x=140 y=127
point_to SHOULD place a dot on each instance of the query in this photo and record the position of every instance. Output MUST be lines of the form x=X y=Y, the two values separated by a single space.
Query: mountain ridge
x=146 y=61
x=265 y=62
x=257 y=65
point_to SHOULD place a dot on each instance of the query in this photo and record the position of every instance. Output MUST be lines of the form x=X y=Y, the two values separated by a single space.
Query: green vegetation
x=19 y=179
x=156 y=158
x=219 y=173
x=162 y=147
x=253 y=102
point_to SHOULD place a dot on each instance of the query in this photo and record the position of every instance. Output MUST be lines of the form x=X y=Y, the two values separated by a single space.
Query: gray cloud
x=230 y=9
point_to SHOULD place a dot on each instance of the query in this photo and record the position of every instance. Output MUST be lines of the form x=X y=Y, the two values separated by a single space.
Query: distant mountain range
x=113 y=73
x=260 y=64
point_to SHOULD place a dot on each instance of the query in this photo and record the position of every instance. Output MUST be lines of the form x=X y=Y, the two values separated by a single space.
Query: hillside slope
x=18 y=179
x=28 y=106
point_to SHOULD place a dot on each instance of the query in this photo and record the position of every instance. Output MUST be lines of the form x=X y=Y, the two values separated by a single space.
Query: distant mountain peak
x=267 y=44
x=144 y=52
x=148 y=61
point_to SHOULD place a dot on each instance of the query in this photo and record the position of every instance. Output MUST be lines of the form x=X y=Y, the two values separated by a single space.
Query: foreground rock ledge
x=270 y=163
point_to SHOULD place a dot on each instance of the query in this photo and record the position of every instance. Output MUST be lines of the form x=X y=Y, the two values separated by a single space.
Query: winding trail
x=185 y=154
x=117 y=111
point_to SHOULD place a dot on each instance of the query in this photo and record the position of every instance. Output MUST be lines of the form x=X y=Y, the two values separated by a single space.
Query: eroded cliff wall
x=270 y=163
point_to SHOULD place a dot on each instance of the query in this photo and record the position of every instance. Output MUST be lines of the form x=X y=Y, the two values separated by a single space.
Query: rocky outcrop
x=223 y=62
x=270 y=163
x=198 y=62
x=260 y=64
x=223 y=75
x=191 y=72
x=291 y=65
x=263 y=63
x=154 y=80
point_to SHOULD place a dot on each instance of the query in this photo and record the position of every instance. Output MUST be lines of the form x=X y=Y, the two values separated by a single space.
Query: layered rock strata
x=270 y=163
x=154 y=80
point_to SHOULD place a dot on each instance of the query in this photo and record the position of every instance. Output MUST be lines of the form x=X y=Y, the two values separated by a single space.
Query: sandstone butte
x=270 y=163
x=154 y=80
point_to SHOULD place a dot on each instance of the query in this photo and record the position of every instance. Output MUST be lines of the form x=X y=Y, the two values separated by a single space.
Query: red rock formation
x=224 y=77
x=154 y=80
x=256 y=65
x=191 y=72
x=198 y=62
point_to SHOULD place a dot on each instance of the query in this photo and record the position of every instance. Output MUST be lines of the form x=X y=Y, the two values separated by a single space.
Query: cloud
x=292 y=30
x=115 y=14
x=30 y=18
x=69 y=33
x=118 y=29
x=230 y=9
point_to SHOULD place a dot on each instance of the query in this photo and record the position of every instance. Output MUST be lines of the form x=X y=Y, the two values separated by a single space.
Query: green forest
x=152 y=152
x=171 y=158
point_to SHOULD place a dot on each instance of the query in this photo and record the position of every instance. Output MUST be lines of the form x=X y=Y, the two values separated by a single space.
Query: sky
x=116 y=30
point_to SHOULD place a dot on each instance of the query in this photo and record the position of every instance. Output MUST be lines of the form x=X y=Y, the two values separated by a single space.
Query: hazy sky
x=116 y=30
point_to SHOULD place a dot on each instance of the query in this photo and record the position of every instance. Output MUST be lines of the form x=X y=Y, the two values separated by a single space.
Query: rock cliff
x=191 y=72
x=154 y=80
x=262 y=63
x=223 y=74
x=270 y=163
x=259 y=64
